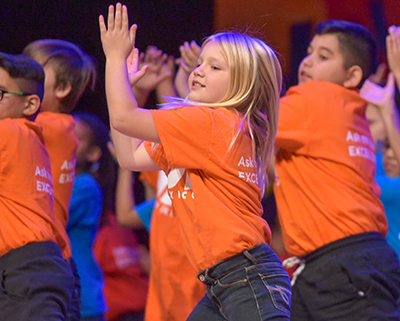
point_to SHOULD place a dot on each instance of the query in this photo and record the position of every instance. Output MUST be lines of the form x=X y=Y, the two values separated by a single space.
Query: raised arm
x=166 y=86
x=118 y=41
x=393 y=52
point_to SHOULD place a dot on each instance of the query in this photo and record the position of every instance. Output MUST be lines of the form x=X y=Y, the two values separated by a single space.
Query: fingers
x=132 y=33
x=111 y=19
x=379 y=75
x=133 y=60
x=125 y=19
x=102 y=25
x=195 y=48
x=189 y=54
x=171 y=63
x=390 y=82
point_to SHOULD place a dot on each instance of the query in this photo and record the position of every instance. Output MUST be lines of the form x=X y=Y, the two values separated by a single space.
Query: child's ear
x=32 y=105
x=354 y=77
x=62 y=90
x=93 y=154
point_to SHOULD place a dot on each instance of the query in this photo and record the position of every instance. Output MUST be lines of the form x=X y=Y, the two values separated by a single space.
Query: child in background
x=69 y=71
x=125 y=265
x=384 y=109
x=93 y=169
x=36 y=283
x=328 y=203
x=384 y=118
x=215 y=150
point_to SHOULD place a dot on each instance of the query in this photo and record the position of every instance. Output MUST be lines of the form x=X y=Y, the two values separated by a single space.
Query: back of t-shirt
x=325 y=188
x=61 y=143
x=26 y=186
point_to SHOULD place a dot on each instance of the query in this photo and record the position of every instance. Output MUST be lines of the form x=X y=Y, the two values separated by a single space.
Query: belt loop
x=250 y=257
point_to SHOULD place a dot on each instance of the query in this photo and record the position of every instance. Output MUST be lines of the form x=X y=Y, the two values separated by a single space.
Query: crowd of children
x=220 y=136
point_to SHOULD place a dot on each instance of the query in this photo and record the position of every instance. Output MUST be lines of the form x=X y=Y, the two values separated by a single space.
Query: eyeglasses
x=18 y=93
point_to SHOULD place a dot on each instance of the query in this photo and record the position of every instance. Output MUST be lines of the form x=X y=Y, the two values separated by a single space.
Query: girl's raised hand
x=117 y=38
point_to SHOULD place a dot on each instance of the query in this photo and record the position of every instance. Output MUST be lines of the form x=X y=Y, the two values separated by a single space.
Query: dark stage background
x=166 y=24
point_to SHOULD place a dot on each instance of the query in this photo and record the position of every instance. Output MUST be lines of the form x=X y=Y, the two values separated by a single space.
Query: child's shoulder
x=20 y=130
x=57 y=122
x=323 y=91
x=56 y=118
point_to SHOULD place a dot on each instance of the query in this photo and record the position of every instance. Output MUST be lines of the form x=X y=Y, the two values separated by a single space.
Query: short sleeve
x=293 y=124
x=185 y=135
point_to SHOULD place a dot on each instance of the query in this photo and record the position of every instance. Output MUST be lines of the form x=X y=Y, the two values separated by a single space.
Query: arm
x=166 y=87
x=393 y=52
x=187 y=62
x=124 y=203
x=125 y=116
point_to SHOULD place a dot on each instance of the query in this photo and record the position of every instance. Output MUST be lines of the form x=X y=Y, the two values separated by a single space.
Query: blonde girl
x=214 y=148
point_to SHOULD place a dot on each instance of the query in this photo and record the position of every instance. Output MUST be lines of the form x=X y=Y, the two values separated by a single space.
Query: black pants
x=74 y=311
x=35 y=283
x=356 y=278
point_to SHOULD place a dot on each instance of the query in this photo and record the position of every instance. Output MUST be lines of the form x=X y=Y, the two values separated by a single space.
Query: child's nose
x=307 y=60
x=198 y=71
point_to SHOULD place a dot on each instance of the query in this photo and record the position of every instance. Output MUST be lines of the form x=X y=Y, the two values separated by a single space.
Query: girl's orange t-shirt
x=213 y=186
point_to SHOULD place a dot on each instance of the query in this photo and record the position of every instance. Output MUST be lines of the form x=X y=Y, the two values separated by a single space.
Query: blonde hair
x=254 y=91
x=71 y=65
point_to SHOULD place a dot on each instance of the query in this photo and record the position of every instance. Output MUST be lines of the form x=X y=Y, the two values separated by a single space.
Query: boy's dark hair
x=70 y=64
x=27 y=73
x=356 y=44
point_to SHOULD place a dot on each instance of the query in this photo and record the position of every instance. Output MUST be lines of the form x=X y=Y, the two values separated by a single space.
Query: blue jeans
x=251 y=285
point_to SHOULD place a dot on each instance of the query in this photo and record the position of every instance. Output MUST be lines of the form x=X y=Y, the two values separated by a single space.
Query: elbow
x=117 y=122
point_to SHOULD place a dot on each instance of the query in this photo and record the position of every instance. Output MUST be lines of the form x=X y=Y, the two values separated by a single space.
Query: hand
x=393 y=49
x=189 y=54
x=134 y=73
x=168 y=68
x=379 y=76
x=156 y=72
x=118 y=40
x=378 y=96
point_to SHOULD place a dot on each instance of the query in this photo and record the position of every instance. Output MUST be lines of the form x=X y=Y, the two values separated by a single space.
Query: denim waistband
x=353 y=242
x=248 y=257
x=20 y=255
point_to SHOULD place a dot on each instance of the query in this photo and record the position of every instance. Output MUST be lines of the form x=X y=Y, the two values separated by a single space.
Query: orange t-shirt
x=214 y=188
x=174 y=289
x=61 y=143
x=26 y=187
x=325 y=188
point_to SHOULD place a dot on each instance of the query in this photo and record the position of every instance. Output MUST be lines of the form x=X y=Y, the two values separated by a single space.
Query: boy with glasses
x=36 y=283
